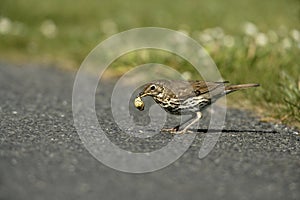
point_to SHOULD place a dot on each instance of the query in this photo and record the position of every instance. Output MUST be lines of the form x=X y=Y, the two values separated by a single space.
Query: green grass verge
x=265 y=51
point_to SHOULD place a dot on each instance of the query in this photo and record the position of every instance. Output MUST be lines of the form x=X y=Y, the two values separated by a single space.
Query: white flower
x=261 y=39
x=295 y=35
x=286 y=43
x=205 y=37
x=217 y=32
x=186 y=75
x=272 y=35
x=250 y=29
x=5 y=25
x=48 y=29
x=228 y=41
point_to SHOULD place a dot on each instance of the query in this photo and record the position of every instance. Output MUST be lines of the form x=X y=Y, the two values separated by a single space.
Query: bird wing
x=183 y=89
x=202 y=87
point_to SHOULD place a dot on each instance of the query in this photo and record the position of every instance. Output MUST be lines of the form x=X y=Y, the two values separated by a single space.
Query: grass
x=250 y=41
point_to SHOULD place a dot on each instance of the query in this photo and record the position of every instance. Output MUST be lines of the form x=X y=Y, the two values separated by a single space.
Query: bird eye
x=153 y=87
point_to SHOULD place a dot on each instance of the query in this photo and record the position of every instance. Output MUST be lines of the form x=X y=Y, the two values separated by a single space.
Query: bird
x=180 y=97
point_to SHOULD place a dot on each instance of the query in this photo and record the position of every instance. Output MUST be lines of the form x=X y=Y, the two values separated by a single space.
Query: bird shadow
x=232 y=131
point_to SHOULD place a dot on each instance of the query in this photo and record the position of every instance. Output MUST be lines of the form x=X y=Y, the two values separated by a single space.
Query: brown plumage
x=187 y=97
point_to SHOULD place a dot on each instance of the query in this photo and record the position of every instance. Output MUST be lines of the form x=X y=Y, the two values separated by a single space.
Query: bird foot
x=169 y=130
x=174 y=130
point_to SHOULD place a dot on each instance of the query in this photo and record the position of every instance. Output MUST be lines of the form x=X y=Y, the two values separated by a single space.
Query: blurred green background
x=250 y=40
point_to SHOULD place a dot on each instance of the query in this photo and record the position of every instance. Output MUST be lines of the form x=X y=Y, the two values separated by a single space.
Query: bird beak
x=142 y=94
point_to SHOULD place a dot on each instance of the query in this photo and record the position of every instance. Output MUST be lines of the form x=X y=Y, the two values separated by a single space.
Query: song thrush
x=186 y=97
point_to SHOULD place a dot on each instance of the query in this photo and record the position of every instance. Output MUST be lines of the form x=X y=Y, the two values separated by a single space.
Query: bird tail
x=232 y=88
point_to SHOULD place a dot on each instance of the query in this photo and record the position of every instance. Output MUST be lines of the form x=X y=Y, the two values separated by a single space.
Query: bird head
x=152 y=89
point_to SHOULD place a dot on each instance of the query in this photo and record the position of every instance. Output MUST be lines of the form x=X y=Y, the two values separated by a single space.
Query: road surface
x=42 y=156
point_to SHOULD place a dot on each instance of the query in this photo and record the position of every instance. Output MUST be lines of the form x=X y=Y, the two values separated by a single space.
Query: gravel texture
x=42 y=156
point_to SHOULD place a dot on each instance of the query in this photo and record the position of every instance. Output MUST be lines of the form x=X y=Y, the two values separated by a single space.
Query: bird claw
x=170 y=130
x=174 y=130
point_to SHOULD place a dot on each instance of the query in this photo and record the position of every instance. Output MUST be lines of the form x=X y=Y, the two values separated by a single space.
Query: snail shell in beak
x=138 y=103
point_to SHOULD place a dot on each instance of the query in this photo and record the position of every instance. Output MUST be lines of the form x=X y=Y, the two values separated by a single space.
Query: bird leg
x=197 y=118
x=176 y=130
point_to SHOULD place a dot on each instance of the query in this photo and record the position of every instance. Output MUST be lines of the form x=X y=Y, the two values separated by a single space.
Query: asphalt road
x=42 y=156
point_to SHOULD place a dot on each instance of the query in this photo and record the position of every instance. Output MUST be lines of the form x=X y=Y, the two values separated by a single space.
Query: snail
x=138 y=103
